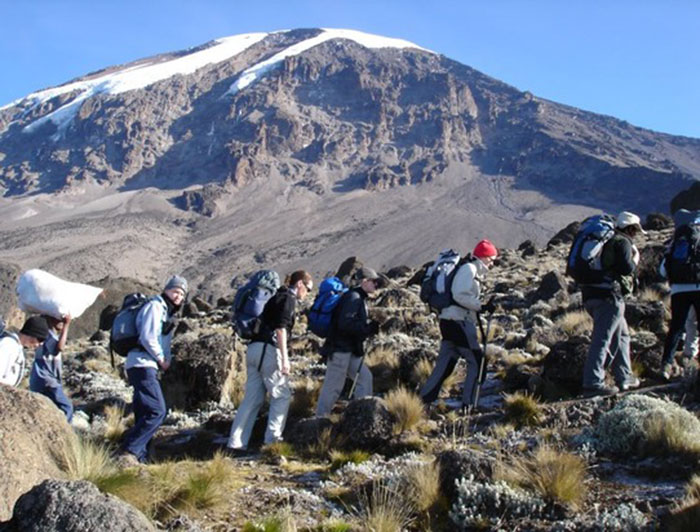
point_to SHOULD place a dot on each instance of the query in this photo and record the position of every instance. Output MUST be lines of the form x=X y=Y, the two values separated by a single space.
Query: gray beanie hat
x=35 y=327
x=176 y=282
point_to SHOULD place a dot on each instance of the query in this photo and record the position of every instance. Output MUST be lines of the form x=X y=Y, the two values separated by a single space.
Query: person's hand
x=373 y=327
x=165 y=365
x=67 y=319
x=490 y=306
x=286 y=367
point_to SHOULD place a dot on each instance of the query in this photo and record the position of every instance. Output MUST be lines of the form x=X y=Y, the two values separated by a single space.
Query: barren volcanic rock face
x=298 y=148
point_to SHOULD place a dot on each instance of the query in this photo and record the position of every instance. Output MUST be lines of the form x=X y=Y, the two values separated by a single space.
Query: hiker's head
x=486 y=252
x=33 y=332
x=176 y=290
x=368 y=279
x=301 y=282
x=630 y=224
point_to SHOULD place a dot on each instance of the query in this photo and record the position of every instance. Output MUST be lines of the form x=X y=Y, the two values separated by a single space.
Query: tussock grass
x=116 y=422
x=522 y=409
x=305 y=398
x=692 y=490
x=83 y=459
x=650 y=294
x=273 y=451
x=575 y=322
x=500 y=431
x=323 y=445
x=383 y=509
x=340 y=458
x=281 y=522
x=420 y=485
x=671 y=434
x=406 y=407
x=421 y=371
x=557 y=476
x=383 y=361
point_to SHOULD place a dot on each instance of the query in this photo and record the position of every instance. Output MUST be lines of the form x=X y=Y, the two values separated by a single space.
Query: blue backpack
x=584 y=263
x=250 y=301
x=320 y=316
x=683 y=256
x=124 y=335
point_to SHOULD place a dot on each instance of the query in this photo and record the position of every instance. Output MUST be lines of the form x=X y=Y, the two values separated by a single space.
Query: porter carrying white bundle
x=40 y=292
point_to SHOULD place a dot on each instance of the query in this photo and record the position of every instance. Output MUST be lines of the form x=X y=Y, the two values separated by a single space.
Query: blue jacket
x=47 y=368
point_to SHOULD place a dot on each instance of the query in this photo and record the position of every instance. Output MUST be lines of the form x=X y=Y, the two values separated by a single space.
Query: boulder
x=649 y=315
x=306 y=432
x=648 y=269
x=203 y=369
x=32 y=431
x=399 y=271
x=687 y=199
x=657 y=221
x=73 y=506
x=366 y=424
x=563 y=366
x=552 y=285
x=201 y=304
x=527 y=249
x=399 y=298
x=9 y=273
x=565 y=236
x=348 y=268
x=457 y=464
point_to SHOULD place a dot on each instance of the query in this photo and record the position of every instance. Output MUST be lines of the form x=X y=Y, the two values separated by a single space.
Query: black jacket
x=618 y=263
x=350 y=325
x=279 y=313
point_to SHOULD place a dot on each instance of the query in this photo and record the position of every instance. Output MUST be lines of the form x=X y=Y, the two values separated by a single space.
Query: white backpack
x=11 y=357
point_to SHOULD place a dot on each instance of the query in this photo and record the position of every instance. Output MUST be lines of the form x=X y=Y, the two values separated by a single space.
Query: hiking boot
x=631 y=384
x=600 y=390
x=667 y=371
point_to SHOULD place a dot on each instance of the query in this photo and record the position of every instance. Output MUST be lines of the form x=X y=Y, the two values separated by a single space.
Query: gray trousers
x=266 y=379
x=610 y=343
x=447 y=359
x=340 y=366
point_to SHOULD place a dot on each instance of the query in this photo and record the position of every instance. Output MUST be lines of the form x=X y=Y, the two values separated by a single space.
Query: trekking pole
x=482 y=365
x=354 y=381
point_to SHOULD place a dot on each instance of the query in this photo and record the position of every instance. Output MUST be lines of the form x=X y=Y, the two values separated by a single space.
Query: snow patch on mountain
x=368 y=40
x=132 y=78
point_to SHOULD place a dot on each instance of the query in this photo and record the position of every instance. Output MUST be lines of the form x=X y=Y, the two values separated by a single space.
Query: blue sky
x=637 y=60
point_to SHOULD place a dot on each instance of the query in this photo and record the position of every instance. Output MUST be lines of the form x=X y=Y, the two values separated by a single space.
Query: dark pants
x=149 y=411
x=55 y=393
x=680 y=306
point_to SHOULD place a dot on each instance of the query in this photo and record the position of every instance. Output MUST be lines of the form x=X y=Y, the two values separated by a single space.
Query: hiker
x=604 y=301
x=344 y=346
x=267 y=365
x=681 y=265
x=47 y=368
x=458 y=325
x=155 y=324
x=31 y=335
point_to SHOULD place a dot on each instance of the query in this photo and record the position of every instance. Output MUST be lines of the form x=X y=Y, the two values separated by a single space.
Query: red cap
x=485 y=249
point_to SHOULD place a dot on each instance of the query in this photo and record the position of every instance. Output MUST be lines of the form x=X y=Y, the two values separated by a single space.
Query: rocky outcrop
x=9 y=273
x=563 y=366
x=78 y=506
x=366 y=424
x=33 y=433
x=307 y=432
x=203 y=369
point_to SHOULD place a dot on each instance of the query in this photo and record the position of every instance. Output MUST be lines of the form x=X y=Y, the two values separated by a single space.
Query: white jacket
x=154 y=345
x=466 y=291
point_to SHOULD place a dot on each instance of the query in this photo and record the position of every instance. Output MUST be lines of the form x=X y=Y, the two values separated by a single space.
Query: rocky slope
x=266 y=149
x=637 y=452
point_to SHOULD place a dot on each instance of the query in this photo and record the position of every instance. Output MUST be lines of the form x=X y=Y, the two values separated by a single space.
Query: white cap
x=626 y=218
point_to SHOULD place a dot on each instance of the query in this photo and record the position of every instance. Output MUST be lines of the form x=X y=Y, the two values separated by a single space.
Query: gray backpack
x=11 y=366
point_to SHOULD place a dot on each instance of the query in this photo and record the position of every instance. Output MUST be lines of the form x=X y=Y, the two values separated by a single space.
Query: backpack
x=584 y=261
x=124 y=335
x=329 y=293
x=436 y=287
x=249 y=302
x=11 y=371
x=682 y=260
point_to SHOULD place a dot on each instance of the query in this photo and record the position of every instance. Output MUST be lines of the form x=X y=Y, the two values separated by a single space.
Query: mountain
x=298 y=148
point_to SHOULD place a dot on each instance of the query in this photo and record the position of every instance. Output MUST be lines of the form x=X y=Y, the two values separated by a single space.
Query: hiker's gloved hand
x=373 y=327
x=490 y=306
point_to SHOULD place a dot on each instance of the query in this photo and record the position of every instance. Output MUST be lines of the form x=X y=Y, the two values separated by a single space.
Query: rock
x=306 y=432
x=224 y=302
x=201 y=305
x=457 y=464
x=648 y=270
x=563 y=366
x=399 y=298
x=190 y=310
x=366 y=424
x=657 y=221
x=399 y=271
x=73 y=506
x=527 y=249
x=202 y=370
x=687 y=199
x=9 y=273
x=100 y=337
x=553 y=285
x=649 y=315
x=107 y=317
x=565 y=236
x=408 y=360
x=32 y=431
x=348 y=268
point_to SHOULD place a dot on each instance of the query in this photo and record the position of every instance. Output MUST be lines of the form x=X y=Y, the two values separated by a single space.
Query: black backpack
x=682 y=260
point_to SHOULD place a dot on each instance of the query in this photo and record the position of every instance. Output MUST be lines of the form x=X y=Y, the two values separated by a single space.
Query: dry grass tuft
x=281 y=522
x=421 y=371
x=421 y=485
x=116 y=422
x=522 y=409
x=406 y=407
x=650 y=294
x=383 y=509
x=672 y=435
x=305 y=398
x=383 y=361
x=83 y=459
x=273 y=451
x=575 y=322
x=323 y=446
x=557 y=476
x=340 y=458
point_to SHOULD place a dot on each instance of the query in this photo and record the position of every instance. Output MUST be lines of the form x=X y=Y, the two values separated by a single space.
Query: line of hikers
x=602 y=260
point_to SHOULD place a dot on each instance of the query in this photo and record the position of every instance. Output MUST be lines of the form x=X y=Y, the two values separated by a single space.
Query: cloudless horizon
x=636 y=60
